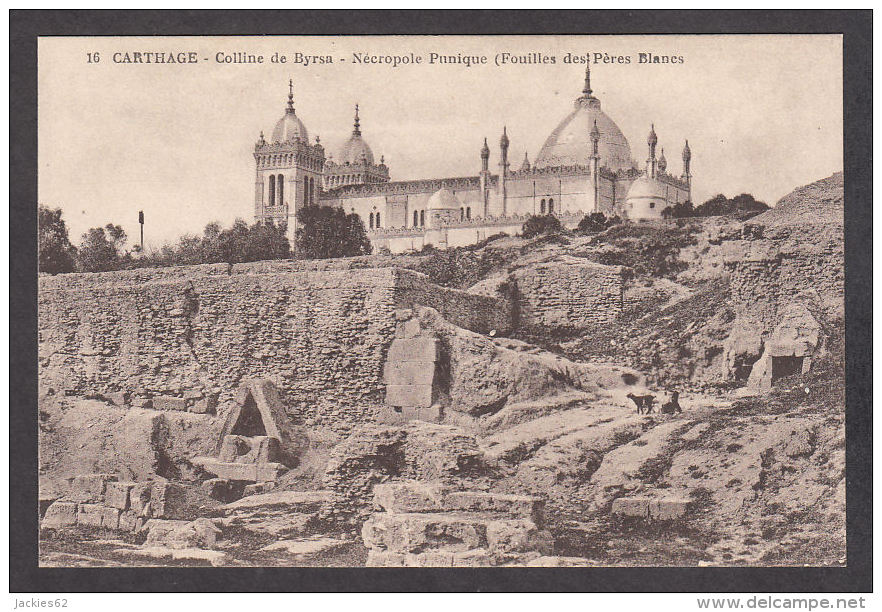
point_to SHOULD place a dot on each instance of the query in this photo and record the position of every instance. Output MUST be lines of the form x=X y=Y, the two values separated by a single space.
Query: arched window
x=468 y=212
x=306 y=190
x=281 y=187
x=371 y=217
x=542 y=207
x=272 y=190
x=416 y=218
x=422 y=218
x=378 y=220
x=550 y=205
x=652 y=204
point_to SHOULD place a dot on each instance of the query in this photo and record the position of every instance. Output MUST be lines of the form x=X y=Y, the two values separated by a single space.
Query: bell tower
x=288 y=170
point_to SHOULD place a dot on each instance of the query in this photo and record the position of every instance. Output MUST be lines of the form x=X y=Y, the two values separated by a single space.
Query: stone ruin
x=793 y=344
x=430 y=525
x=101 y=501
x=257 y=442
x=413 y=373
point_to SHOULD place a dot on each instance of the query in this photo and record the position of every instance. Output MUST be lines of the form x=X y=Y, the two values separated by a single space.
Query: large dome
x=570 y=143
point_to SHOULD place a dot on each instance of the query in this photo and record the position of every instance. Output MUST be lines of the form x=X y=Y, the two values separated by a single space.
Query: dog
x=672 y=406
x=643 y=402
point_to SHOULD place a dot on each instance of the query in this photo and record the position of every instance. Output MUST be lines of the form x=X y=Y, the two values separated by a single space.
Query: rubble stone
x=517 y=536
x=413 y=532
x=201 y=533
x=117 y=494
x=60 y=514
x=167 y=402
x=139 y=497
x=110 y=517
x=90 y=487
x=167 y=500
x=90 y=515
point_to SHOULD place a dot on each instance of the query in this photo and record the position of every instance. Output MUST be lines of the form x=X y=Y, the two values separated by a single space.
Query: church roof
x=289 y=126
x=570 y=143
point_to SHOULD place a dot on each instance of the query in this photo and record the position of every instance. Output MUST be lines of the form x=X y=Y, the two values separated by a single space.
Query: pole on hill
x=141 y=221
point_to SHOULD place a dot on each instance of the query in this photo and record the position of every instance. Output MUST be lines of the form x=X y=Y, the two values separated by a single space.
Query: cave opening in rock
x=786 y=366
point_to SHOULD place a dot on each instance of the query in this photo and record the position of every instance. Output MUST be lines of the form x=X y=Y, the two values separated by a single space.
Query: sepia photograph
x=461 y=301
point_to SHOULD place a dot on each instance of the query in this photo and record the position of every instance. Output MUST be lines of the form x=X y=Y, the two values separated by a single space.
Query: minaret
x=595 y=162
x=525 y=167
x=651 y=140
x=356 y=130
x=484 y=178
x=687 y=175
x=662 y=162
x=503 y=174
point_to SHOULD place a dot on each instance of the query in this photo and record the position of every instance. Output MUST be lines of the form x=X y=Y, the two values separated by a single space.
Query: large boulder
x=485 y=373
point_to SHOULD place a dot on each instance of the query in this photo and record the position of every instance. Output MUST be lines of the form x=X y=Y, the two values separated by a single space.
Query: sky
x=762 y=113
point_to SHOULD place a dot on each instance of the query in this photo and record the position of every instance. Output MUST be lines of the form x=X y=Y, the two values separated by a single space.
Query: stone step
x=650 y=508
x=249 y=472
x=469 y=558
x=414 y=496
x=290 y=501
x=304 y=548
x=453 y=532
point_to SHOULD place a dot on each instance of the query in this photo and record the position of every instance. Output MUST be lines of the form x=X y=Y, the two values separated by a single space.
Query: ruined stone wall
x=321 y=337
x=569 y=293
x=767 y=272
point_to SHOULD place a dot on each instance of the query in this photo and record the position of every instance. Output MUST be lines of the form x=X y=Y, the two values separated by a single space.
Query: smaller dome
x=443 y=199
x=288 y=128
x=645 y=187
x=356 y=151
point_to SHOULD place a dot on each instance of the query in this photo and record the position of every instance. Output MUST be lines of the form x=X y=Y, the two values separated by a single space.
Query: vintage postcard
x=441 y=301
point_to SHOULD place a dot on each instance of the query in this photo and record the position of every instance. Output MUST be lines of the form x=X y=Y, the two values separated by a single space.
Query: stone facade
x=320 y=337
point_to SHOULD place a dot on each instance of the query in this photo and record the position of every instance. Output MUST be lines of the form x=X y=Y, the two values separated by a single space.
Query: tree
x=721 y=205
x=596 y=222
x=327 y=231
x=97 y=253
x=540 y=224
x=56 y=253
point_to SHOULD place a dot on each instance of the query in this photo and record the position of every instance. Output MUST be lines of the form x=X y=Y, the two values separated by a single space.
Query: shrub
x=647 y=249
x=537 y=225
x=596 y=222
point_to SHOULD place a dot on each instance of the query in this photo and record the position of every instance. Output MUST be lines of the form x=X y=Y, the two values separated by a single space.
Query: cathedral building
x=585 y=166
